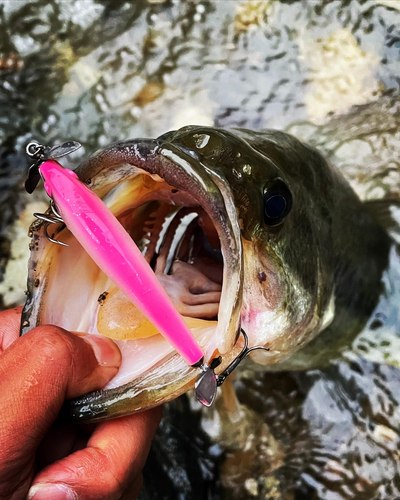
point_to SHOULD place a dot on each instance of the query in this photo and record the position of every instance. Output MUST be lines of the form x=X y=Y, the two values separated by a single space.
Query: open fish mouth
x=183 y=218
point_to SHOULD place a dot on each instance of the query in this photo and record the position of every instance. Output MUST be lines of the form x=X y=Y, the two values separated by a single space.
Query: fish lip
x=175 y=166
x=181 y=170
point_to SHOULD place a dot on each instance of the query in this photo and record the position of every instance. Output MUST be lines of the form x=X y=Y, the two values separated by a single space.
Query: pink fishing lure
x=117 y=255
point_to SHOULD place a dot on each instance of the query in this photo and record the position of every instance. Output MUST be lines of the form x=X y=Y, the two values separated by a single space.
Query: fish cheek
x=271 y=289
x=263 y=287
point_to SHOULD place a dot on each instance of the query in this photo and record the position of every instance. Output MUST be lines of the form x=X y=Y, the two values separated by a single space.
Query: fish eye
x=277 y=202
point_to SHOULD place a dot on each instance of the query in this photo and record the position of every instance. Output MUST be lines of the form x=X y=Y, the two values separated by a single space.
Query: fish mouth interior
x=181 y=243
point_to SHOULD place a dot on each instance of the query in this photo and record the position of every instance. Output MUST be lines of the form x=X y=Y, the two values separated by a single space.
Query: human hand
x=37 y=373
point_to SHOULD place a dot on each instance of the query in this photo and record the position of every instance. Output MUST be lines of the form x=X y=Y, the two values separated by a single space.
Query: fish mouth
x=183 y=219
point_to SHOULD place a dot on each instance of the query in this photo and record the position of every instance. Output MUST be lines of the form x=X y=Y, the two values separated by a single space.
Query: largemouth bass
x=244 y=229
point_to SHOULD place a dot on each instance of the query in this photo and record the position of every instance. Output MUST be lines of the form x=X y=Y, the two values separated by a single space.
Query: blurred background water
x=326 y=71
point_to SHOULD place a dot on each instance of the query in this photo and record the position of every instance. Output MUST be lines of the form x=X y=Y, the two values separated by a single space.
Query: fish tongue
x=192 y=293
x=119 y=319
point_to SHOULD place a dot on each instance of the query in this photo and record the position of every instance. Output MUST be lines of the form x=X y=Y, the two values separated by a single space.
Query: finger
x=10 y=322
x=111 y=463
x=132 y=492
x=37 y=373
x=202 y=298
x=58 y=443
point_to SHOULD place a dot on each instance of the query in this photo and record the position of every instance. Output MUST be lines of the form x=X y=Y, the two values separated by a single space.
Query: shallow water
x=99 y=71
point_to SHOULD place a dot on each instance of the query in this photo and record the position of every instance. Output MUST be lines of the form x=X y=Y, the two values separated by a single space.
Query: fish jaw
x=50 y=267
x=142 y=394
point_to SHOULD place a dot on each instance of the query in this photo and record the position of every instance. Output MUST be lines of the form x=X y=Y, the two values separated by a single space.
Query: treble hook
x=245 y=351
x=51 y=219
x=207 y=382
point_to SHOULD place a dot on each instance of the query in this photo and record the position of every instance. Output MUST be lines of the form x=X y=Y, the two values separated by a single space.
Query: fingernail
x=51 y=492
x=105 y=350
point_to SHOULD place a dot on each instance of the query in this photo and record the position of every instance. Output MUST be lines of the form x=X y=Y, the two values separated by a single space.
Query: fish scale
x=304 y=232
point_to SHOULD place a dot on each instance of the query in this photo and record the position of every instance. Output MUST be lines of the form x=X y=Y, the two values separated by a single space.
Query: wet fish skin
x=330 y=243
x=322 y=265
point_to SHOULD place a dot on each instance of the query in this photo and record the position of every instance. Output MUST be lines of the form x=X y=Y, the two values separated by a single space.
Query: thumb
x=37 y=373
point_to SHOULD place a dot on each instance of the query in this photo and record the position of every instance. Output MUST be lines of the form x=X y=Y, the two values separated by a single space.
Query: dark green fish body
x=302 y=256
x=349 y=248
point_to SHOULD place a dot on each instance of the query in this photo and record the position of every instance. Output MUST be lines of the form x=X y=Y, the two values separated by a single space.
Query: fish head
x=230 y=224
x=282 y=192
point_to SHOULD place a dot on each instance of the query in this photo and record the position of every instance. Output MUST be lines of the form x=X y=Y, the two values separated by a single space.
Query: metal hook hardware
x=207 y=382
x=48 y=219
x=40 y=154
x=245 y=351
x=35 y=150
